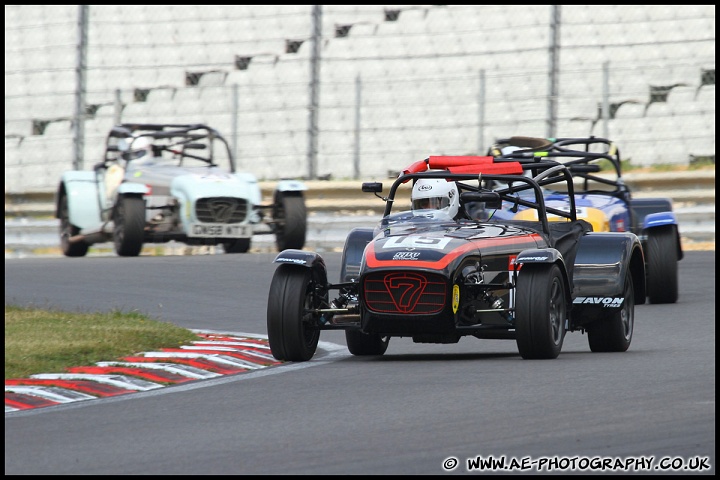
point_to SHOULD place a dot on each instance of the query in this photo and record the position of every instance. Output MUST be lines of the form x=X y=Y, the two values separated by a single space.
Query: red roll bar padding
x=504 y=168
x=455 y=161
x=419 y=166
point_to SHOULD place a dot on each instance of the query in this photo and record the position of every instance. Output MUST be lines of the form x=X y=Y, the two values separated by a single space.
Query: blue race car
x=604 y=199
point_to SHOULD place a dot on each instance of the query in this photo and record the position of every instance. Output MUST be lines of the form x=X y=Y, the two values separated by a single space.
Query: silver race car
x=159 y=183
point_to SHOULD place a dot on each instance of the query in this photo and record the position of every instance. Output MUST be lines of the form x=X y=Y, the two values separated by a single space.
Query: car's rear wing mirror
x=490 y=199
x=372 y=187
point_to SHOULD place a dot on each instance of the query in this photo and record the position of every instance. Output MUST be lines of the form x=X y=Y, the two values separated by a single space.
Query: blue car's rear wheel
x=540 y=311
x=292 y=330
x=662 y=268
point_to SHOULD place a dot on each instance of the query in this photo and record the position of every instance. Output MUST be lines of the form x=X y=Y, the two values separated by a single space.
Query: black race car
x=603 y=198
x=425 y=274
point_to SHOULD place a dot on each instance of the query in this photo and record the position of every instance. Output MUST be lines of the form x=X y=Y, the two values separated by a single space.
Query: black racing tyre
x=662 y=265
x=290 y=216
x=241 y=245
x=292 y=333
x=614 y=333
x=540 y=311
x=362 y=344
x=67 y=230
x=129 y=230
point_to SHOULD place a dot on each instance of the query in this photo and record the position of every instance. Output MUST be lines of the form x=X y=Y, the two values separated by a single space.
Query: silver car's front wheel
x=290 y=216
x=129 y=230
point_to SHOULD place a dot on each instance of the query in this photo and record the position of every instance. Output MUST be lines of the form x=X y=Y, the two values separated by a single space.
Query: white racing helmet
x=436 y=194
x=137 y=148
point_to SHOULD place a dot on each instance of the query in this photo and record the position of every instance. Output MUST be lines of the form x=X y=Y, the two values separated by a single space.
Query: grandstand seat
x=419 y=74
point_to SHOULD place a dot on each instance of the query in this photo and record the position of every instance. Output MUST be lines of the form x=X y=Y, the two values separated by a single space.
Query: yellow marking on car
x=455 y=298
x=594 y=216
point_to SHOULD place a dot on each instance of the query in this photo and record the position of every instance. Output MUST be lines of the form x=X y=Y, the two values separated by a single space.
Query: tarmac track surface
x=404 y=413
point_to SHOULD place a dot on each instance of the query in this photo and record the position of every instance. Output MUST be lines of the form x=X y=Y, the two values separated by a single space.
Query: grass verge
x=48 y=341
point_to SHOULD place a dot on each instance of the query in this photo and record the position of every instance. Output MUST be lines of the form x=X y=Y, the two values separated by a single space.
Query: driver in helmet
x=436 y=194
x=139 y=149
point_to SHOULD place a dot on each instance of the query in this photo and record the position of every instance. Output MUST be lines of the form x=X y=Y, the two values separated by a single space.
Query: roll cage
x=487 y=178
x=583 y=157
x=182 y=140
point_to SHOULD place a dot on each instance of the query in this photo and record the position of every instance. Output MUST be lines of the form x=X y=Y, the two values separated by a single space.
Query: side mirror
x=490 y=199
x=372 y=187
x=195 y=146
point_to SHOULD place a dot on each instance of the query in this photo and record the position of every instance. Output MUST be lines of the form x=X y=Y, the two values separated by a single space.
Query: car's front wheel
x=292 y=329
x=614 y=332
x=290 y=216
x=129 y=230
x=67 y=230
x=540 y=311
x=662 y=265
x=362 y=344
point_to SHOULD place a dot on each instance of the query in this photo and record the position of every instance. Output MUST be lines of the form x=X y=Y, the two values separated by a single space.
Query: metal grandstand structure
x=392 y=82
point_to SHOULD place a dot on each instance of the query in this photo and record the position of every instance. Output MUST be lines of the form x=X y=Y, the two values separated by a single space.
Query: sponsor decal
x=607 y=302
x=291 y=260
x=512 y=265
x=455 y=298
x=425 y=187
x=533 y=259
x=406 y=256
x=416 y=241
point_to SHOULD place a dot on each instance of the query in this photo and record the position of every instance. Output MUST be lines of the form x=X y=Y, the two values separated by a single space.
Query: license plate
x=212 y=230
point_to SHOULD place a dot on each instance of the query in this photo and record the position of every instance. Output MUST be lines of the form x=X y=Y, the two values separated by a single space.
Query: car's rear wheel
x=662 y=265
x=241 y=245
x=290 y=216
x=540 y=311
x=614 y=333
x=67 y=230
x=292 y=330
x=129 y=230
x=362 y=344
